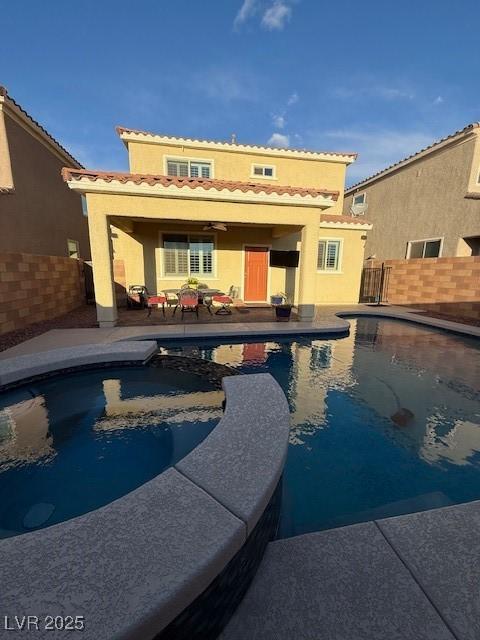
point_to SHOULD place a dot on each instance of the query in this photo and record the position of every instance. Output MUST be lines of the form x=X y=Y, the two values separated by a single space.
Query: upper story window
x=263 y=171
x=431 y=248
x=360 y=198
x=329 y=258
x=189 y=169
x=73 y=248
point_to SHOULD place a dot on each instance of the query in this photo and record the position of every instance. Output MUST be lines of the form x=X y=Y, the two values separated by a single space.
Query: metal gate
x=374 y=284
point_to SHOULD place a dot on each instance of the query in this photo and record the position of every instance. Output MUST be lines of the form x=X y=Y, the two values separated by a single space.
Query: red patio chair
x=222 y=304
x=156 y=300
x=187 y=301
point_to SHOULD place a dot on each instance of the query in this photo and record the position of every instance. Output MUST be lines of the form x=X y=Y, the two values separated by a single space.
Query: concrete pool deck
x=412 y=577
x=327 y=321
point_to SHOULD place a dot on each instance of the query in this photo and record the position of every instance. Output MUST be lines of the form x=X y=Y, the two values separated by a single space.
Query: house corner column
x=308 y=270
x=102 y=264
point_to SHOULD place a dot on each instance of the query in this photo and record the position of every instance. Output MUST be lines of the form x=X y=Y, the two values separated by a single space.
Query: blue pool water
x=69 y=445
x=348 y=461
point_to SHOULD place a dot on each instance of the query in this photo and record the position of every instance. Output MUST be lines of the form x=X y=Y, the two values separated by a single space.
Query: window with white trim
x=328 y=255
x=189 y=169
x=263 y=171
x=360 y=198
x=73 y=249
x=424 y=248
x=185 y=255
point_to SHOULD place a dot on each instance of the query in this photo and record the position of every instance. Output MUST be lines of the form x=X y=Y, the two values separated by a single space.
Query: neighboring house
x=214 y=211
x=43 y=229
x=427 y=205
x=38 y=215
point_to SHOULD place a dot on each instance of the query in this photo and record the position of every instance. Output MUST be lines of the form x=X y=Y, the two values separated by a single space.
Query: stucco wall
x=344 y=286
x=35 y=287
x=426 y=199
x=141 y=254
x=43 y=212
x=229 y=165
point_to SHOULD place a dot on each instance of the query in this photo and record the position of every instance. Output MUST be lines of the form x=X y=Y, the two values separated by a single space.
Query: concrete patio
x=413 y=577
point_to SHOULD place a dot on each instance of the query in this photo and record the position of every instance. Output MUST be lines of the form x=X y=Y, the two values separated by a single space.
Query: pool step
x=341 y=584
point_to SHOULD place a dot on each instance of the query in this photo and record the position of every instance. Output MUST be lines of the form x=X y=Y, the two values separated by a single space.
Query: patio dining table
x=201 y=293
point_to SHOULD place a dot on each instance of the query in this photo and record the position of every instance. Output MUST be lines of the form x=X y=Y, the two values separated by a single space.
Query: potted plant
x=283 y=311
x=278 y=298
x=193 y=283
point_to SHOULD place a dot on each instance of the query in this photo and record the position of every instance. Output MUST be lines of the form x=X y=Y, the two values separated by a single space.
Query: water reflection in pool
x=69 y=445
x=348 y=460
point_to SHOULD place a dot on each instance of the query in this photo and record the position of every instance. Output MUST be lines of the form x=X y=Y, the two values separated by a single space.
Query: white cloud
x=293 y=99
x=276 y=16
x=377 y=148
x=275 y=13
x=279 y=140
x=246 y=11
x=438 y=100
x=279 y=121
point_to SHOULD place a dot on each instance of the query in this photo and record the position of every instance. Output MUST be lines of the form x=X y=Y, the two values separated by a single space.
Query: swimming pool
x=348 y=460
x=73 y=443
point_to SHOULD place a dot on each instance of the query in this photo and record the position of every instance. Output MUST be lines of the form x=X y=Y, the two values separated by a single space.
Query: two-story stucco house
x=427 y=205
x=214 y=211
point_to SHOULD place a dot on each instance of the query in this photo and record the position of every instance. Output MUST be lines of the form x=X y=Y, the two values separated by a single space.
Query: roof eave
x=419 y=155
x=10 y=106
x=134 y=135
x=85 y=186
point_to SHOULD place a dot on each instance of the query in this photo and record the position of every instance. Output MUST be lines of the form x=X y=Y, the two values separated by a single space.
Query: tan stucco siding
x=142 y=255
x=200 y=210
x=227 y=165
x=424 y=199
x=43 y=212
x=344 y=286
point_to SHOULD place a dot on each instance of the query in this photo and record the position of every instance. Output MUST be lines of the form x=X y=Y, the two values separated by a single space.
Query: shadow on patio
x=240 y=314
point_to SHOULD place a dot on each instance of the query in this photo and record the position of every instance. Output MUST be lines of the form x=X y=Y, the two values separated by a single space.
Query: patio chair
x=222 y=304
x=187 y=301
x=137 y=296
x=171 y=299
x=153 y=301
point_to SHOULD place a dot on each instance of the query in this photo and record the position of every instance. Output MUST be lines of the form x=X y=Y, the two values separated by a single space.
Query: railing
x=374 y=284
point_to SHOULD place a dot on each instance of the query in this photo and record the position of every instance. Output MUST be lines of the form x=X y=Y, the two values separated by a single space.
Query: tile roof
x=4 y=94
x=232 y=145
x=219 y=185
x=331 y=217
x=466 y=130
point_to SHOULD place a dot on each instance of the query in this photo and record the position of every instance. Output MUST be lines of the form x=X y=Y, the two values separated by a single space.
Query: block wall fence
x=449 y=285
x=36 y=287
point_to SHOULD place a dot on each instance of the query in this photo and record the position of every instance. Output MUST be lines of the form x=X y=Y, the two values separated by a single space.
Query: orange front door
x=256 y=274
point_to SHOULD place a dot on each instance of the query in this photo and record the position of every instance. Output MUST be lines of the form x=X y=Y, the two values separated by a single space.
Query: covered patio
x=159 y=232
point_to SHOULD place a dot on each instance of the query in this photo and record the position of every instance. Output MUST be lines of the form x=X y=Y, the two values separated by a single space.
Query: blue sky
x=381 y=78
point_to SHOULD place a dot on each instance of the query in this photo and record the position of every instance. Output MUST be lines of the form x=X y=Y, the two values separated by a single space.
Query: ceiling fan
x=215 y=226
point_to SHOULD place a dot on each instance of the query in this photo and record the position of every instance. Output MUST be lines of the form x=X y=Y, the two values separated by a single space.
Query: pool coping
x=27 y=367
x=131 y=566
